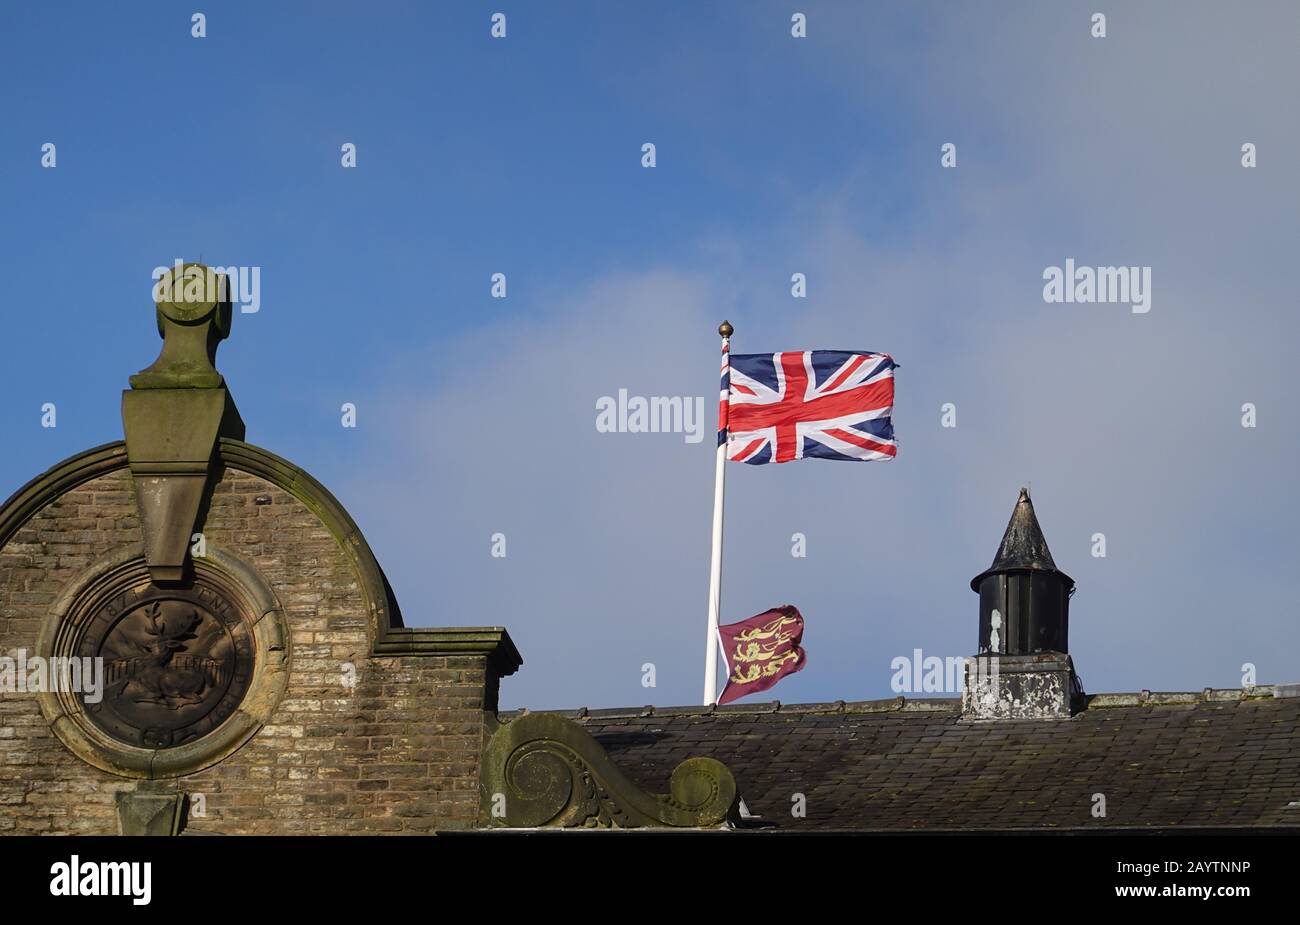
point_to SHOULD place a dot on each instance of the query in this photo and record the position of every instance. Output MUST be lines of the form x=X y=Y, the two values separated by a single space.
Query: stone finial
x=175 y=411
x=194 y=314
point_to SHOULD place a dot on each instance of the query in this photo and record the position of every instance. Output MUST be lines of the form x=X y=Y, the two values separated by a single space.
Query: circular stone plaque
x=190 y=671
x=176 y=663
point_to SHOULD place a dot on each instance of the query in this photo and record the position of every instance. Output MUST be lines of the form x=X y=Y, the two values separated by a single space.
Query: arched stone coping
x=391 y=637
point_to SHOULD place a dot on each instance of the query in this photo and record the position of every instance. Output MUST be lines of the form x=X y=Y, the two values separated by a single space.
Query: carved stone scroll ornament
x=541 y=770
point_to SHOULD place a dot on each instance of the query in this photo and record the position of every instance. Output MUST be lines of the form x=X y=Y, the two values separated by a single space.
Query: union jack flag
x=828 y=404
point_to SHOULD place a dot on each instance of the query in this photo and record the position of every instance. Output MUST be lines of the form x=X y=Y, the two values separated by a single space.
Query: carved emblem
x=177 y=663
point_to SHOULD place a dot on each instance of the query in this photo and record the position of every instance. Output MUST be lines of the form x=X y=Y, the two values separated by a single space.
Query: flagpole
x=715 y=564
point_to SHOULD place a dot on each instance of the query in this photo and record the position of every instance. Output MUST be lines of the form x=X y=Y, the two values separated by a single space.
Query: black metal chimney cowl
x=1023 y=669
x=1024 y=597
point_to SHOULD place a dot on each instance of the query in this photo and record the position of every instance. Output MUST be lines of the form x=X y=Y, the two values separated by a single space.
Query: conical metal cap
x=1023 y=545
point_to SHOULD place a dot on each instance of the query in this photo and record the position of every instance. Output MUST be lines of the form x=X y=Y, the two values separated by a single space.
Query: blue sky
x=775 y=155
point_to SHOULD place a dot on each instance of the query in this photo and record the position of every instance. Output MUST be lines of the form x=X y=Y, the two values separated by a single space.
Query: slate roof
x=1220 y=758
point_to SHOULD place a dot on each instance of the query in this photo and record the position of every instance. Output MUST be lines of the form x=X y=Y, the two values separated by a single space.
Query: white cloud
x=1110 y=151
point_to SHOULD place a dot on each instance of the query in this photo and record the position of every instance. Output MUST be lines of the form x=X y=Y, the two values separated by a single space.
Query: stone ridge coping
x=915 y=705
x=1209 y=695
x=938 y=704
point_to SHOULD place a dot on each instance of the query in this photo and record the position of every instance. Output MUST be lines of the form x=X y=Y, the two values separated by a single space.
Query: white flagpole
x=715 y=565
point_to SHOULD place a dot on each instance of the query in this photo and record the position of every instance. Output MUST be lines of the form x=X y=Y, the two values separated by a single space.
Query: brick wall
x=398 y=751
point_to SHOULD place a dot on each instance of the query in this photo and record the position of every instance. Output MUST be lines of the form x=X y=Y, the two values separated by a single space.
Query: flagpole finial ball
x=725 y=329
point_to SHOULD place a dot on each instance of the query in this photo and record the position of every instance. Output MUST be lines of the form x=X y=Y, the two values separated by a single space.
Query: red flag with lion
x=761 y=651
